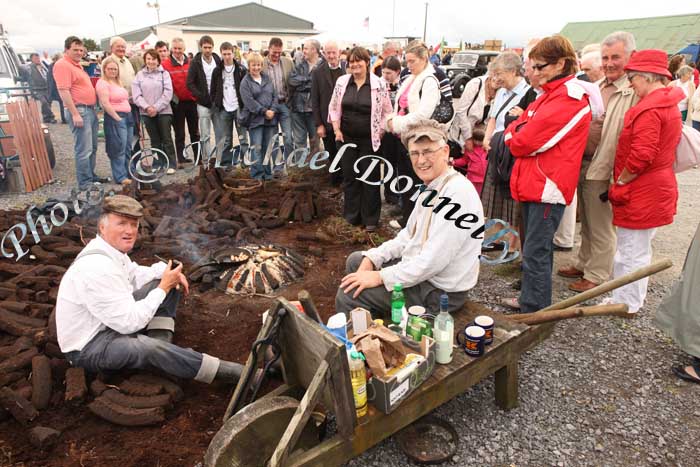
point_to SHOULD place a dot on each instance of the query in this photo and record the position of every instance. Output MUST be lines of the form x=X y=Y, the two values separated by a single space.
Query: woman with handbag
x=417 y=99
x=645 y=191
x=152 y=91
x=259 y=116
x=358 y=110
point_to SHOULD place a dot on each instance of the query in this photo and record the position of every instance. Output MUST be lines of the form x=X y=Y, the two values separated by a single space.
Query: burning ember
x=249 y=269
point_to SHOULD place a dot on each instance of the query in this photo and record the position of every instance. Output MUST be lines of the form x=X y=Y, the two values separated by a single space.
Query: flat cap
x=123 y=205
x=424 y=127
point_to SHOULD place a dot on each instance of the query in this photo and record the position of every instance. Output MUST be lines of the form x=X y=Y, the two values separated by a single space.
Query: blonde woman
x=118 y=120
x=685 y=82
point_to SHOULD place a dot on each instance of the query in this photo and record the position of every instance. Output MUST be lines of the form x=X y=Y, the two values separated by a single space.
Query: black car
x=467 y=65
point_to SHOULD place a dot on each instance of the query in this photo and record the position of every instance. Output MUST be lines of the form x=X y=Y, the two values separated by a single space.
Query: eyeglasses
x=427 y=153
x=541 y=66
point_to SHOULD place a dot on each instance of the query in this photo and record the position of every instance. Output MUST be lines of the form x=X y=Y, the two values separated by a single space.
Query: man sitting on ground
x=436 y=252
x=105 y=299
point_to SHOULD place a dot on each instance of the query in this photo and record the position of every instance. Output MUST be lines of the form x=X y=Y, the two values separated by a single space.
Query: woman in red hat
x=644 y=192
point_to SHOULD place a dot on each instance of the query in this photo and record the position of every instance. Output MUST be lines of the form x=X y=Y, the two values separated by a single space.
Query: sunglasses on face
x=540 y=66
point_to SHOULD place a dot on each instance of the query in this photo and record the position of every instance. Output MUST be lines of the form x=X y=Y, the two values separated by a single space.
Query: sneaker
x=170 y=171
x=371 y=228
x=394 y=224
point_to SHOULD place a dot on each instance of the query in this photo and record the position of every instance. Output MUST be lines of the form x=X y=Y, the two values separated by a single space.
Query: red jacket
x=178 y=75
x=647 y=147
x=547 y=142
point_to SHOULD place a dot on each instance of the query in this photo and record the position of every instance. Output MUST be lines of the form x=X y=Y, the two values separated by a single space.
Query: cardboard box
x=387 y=393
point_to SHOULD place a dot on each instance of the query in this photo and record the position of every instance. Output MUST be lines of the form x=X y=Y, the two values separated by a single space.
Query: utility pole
x=156 y=6
x=114 y=25
x=393 y=18
x=425 y=21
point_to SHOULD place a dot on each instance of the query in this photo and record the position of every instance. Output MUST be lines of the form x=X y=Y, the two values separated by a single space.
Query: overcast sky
x=43 y=24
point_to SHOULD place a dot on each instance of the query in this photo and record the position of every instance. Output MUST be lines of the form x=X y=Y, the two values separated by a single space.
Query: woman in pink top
x=118 y=122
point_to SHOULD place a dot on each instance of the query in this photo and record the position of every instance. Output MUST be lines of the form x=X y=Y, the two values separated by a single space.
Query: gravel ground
x=598 y=392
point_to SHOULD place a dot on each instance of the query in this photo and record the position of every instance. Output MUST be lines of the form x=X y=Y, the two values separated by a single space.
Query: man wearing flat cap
x=436 y=252
x=105 y=300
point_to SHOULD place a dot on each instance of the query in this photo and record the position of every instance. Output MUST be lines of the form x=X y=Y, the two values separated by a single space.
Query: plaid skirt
x=496 y=198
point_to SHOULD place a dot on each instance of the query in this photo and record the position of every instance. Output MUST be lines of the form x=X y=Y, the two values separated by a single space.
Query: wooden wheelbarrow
x=278 y=429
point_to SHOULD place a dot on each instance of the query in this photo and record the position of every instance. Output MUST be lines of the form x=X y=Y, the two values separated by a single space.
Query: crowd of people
x=541 y=139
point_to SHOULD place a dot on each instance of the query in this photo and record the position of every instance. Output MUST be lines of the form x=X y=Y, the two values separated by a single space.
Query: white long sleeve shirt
x=96 y=293
x=449 y=257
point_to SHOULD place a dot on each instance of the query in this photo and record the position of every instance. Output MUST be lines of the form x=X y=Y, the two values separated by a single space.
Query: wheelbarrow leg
x=507 y=386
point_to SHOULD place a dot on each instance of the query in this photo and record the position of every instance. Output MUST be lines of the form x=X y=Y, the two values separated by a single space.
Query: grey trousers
x=110 y=351
x=378 y=300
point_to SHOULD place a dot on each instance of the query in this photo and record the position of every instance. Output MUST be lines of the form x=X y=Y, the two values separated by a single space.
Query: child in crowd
x=473 y=163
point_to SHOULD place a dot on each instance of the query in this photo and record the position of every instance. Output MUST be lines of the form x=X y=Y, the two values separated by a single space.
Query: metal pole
x=114 y=25
x=425 y=21
x=393 y=18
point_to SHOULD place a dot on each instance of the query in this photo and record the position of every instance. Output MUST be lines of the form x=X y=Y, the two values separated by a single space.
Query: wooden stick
x=540 y=317
x=611 y=285
x=310 y=309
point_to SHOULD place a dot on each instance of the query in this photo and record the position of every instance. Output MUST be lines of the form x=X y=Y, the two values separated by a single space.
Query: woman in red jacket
x=547 y=141
x=645 y=192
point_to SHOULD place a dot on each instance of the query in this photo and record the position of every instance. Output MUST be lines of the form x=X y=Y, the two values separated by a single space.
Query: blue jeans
x=207 y=119
x=224 y=139
x=117 y=138
x=303 y=127
x=285 y=122
x=696 y=125
x=85 y=143
x=260 y=138
x=540 y=221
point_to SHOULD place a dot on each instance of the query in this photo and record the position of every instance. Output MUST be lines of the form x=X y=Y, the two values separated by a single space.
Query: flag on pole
x=439 y=47
x=365 y=23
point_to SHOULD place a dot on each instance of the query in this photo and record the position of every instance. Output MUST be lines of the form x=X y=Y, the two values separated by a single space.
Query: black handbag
x=444 y=112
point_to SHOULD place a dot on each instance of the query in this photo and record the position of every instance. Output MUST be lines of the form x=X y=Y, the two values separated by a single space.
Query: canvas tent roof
x=670 y=33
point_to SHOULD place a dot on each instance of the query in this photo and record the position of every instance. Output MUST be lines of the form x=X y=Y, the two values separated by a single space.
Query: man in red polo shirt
x=184 y=104
x=79 y=99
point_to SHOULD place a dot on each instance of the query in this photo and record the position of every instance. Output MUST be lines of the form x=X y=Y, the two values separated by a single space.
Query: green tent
x=670 y=33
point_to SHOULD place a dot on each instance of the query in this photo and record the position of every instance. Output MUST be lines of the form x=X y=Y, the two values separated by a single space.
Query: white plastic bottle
x=443 y=333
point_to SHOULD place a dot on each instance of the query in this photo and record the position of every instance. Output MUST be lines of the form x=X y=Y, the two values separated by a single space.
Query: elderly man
x=184 y=105
x=278 y=68
x=391 y=48
x=592 y=65
x=299 y=81
x=434 y=253
x=105 y=299
x=598 y=240
x=78 y=95
x=322 y=83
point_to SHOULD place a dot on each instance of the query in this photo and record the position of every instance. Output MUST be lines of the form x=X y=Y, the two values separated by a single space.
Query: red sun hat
x=649 y=61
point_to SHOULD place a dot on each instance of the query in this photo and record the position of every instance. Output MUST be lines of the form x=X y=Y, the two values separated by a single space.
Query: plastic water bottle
x=398 y=303
x=443 y=332
x=358 y=379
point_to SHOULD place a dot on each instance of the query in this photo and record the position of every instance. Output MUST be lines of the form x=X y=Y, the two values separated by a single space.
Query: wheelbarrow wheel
x=250 y=437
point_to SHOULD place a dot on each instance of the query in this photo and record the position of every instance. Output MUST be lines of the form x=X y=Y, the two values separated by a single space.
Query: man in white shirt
x=226 y=98
x=105 y=299
x=438 y=250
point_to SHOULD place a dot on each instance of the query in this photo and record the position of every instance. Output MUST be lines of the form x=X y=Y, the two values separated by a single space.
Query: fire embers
x=251 y=269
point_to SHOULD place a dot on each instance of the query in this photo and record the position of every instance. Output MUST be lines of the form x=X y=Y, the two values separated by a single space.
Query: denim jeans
x=85 y=144
x=117 y=138
x=285 y=122
x=158 y=128
x=303 y=127
x=540 y=221
x=207 y=120
x=260 y=138
x=224 y=139
x=696 y=124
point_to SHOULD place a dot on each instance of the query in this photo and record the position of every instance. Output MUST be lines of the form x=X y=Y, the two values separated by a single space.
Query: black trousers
x=363 y=202
x=136 y=115
x=391 y=150
x=330 y=145
x=185 y=111
x=406 y=168
x=158 y=129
